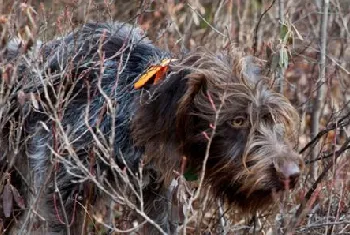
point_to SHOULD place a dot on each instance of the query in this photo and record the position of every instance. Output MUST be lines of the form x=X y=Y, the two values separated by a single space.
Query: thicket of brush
x=307 y=47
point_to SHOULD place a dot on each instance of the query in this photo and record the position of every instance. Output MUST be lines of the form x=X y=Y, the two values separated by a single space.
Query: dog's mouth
x=255 y=201
x=260 y=198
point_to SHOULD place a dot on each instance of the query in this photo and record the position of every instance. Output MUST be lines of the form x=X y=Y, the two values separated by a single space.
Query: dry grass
x=320 y=204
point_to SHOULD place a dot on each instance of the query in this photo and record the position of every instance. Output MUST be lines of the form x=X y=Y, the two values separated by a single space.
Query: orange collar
x=154 y=74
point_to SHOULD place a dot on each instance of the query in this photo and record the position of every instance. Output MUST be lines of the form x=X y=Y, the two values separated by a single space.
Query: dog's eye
x=239 y=121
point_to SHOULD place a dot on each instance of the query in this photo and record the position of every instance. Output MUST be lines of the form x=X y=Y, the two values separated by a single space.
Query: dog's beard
x=252 y=181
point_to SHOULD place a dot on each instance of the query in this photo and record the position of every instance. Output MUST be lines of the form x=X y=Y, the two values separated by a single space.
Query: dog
x=103 y=106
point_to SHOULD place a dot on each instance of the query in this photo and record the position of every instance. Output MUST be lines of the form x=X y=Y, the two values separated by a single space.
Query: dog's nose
x=289 y=174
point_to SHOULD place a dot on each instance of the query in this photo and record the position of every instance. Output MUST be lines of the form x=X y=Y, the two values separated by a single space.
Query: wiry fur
x=82 y=93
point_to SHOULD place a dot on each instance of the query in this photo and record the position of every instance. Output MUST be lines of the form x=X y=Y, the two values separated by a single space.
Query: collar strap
x=154 y=74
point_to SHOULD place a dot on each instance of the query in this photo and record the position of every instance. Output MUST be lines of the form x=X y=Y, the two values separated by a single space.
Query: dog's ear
x=196 y=83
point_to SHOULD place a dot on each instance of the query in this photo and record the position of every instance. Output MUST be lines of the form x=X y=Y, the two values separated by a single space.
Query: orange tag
x=154 y=74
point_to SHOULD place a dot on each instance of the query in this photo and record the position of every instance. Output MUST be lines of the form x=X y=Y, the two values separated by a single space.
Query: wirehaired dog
x=103 y=103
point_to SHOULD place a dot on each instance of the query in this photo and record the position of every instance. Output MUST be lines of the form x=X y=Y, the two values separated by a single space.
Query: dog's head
x=250 y=128
x=223 y=108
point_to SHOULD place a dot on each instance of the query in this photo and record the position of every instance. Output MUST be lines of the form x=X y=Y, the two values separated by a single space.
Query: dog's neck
x=154 y=126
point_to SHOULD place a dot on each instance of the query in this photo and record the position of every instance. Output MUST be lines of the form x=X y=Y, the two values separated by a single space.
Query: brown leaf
x=21 y=97
x=7 y=200
x=18 y=198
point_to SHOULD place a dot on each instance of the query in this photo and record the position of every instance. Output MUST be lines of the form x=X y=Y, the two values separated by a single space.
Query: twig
x=204 y=163
x=222 y=216
x=342 y=122
x=202 y=18
x=281 y=69
x=299 y=212
x=312 y=226
x=321 y=84
x=255 y=45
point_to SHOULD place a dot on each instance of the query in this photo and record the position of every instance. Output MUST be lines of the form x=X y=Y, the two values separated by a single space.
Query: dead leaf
x=7 y=200
x=18 y=198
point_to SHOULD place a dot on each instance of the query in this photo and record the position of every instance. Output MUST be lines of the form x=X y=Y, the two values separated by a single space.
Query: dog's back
x=70 y=96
